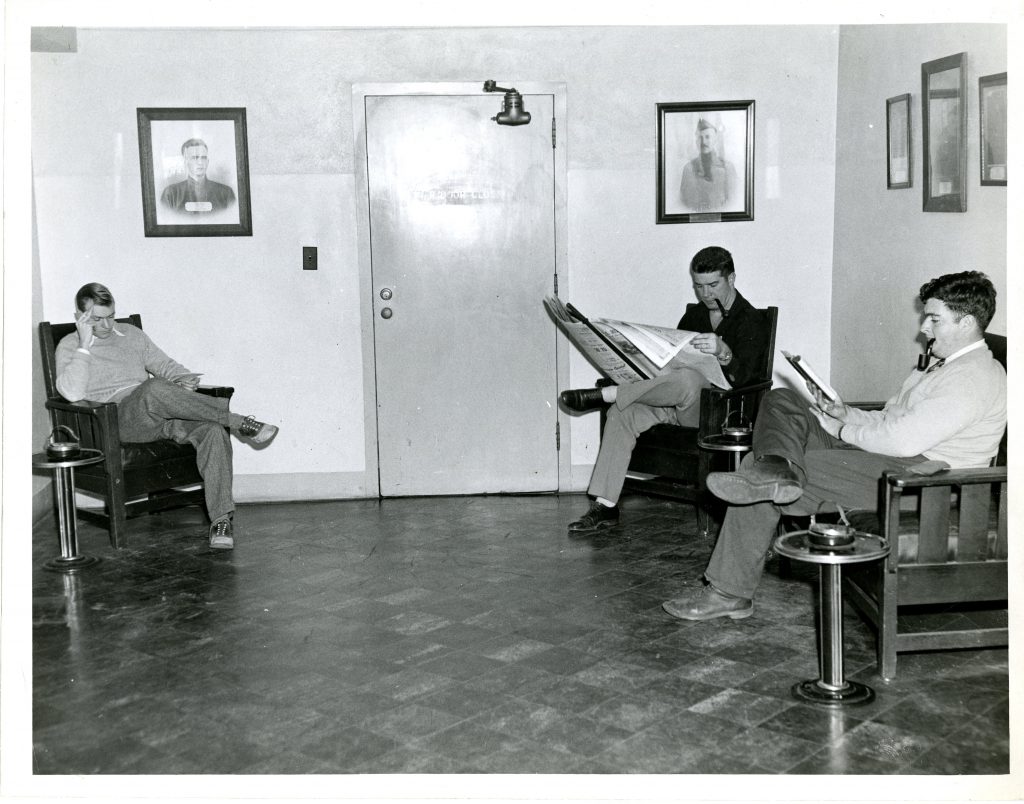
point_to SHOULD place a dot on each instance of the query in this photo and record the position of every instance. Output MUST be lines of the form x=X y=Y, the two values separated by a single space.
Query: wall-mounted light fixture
x=512 y=112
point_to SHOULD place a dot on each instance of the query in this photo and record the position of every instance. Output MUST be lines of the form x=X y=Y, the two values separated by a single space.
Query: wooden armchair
x=133 y=479
x=667 y=461
x=944 y=583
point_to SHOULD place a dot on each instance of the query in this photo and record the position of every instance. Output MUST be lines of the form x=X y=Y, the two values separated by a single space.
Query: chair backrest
x=771 y=315
x=52 y=334
x=997 y=345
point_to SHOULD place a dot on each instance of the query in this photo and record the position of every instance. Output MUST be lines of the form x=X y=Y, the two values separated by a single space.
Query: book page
x=809 y=374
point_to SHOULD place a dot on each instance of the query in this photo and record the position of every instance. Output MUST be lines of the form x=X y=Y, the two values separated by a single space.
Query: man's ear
x=968 y=323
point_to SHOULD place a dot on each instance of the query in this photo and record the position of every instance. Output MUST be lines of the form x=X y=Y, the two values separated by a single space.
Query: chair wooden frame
x=132 y=479
x=963 y=565
x=669 y=454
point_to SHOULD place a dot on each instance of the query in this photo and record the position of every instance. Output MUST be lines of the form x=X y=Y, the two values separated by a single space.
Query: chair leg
x=887 y=627
x=117 y=520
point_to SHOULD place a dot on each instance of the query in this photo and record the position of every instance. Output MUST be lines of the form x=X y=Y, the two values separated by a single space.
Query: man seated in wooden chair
x=949 y=415
x=104 y=362
x=731 y=329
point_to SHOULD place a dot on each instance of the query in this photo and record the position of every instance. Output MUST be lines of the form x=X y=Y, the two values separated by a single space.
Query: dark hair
x=94 y=292
x=195 y=141
x=711 y=259
x=966 y=293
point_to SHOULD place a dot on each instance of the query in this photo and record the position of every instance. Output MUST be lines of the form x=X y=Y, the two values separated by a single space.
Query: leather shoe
x=707 y=604
x=582 y=399
x=258 y=432
x=222 y=534
x=768 y=478
x=598 y=517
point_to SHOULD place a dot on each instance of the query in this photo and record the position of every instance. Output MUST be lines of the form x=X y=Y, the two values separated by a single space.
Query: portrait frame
x=992 y=105
x=899 y=143
x=225 y=207
x=709 y=187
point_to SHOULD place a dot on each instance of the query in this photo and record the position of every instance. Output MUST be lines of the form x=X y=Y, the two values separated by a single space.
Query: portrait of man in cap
x=709 y=182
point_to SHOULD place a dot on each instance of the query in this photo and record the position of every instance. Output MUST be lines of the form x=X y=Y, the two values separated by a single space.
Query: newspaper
x=625 y=352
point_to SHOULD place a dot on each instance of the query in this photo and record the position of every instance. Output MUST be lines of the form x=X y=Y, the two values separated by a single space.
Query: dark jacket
x=746 y=331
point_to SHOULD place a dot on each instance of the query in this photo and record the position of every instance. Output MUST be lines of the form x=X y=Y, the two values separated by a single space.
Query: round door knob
x=386 y=293
x=386 y=313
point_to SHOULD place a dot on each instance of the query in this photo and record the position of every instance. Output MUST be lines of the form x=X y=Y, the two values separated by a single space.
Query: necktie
x=940 y=364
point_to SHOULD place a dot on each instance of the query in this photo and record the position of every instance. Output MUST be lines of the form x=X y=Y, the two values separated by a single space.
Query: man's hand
x=837 y=410
x=187 y=381
x=708 y=343
x=84 y=327
x=832 y=426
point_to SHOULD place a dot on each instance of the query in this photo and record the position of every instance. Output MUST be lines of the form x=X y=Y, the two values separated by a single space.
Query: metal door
x=462 y=247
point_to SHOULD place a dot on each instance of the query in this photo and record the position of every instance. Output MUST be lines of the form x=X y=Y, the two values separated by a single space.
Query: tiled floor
x=463 y=635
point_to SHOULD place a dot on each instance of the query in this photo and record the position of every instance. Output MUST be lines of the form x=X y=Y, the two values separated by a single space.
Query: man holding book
x=730 y=328
x=109 y=361
x=949 y=415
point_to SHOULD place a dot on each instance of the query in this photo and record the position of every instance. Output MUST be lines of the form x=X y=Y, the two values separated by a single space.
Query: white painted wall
x=886 y=247
x=243 y=311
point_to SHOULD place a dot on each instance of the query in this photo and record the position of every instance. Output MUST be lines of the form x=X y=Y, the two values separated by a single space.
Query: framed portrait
x=705 y=162
x=195 y=172
x=898 y=143
x=992 y=114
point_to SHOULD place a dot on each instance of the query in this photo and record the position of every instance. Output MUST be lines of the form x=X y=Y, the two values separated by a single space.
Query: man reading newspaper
x=730 y=328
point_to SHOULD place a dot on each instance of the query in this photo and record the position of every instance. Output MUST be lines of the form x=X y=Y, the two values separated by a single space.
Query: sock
x=609 y=393
x=604 y=502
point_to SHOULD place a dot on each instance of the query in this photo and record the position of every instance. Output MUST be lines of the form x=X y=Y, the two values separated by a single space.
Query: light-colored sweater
x=114 y=366
x=955 y=414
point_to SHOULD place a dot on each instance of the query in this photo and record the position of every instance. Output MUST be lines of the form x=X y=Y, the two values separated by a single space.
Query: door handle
x=386 y=313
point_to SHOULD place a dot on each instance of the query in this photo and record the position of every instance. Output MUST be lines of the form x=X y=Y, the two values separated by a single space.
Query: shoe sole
x=266 y=434
x=605 y=525
x=736 y=489
x=736 y=614
x=222 y=544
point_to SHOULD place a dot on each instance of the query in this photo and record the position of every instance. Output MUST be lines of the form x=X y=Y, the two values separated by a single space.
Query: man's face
x=196 y=161
x=101 y=318
x=940 y=323
x=706 y=140
x=709 y=287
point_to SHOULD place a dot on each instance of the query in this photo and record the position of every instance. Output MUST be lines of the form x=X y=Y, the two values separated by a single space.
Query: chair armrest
x=947 y=477
x=222 y=391
x=866 y=405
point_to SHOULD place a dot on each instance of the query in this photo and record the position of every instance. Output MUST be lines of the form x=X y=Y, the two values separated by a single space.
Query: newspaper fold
x=626 y=352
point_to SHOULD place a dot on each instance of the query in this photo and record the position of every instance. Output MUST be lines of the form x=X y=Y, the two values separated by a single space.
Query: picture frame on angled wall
x=992 y=102
x=195 y=172
x=899 y=153
x=705 y=162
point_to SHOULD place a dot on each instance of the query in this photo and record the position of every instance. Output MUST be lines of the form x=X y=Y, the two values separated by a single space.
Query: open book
x=804 y=370
x=625 y=352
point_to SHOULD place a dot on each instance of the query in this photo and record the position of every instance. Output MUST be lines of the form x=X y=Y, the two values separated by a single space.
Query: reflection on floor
x=463 y=635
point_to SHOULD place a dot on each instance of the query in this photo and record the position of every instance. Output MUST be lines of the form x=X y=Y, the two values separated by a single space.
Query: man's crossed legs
x=159 y=409
x=796 y=468
x=634 y=408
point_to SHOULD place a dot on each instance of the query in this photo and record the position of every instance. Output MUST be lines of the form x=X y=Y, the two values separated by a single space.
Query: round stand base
x=813 y=691
x=73 y=564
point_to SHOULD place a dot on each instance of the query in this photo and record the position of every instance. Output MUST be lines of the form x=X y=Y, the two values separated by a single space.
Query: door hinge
x=558 y=436
x=556 y=284
x=553 y=131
